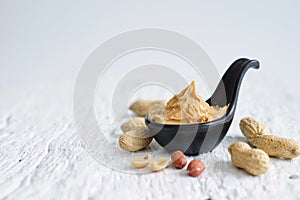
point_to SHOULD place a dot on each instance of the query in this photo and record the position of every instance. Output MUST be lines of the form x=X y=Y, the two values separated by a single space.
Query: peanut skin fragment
x=253 y=161
x=141 y=107
x=276 y=146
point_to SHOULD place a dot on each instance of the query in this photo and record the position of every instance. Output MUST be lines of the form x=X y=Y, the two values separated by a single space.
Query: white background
x=44 y=43
x=57 y=36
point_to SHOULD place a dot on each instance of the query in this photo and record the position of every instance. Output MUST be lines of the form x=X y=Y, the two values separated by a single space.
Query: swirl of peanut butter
x=187 y=107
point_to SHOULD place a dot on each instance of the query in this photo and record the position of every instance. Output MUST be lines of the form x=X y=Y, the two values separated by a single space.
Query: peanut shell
x=135 y=140
x=252 y=128
x=253 y=161
x=141 y=107
x=133 y=123
x=277 y=146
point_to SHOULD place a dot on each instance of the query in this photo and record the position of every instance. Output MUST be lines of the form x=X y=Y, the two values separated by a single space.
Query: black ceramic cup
x=193 y=139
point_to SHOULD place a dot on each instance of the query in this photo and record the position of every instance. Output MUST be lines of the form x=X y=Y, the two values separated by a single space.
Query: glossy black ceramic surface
x=193 y=139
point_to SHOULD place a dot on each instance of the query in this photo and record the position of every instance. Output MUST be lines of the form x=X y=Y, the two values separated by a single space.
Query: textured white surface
x=42 y=157
x=44 y=43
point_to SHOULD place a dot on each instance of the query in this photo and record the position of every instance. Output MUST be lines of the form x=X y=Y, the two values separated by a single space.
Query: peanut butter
x=186 y=107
